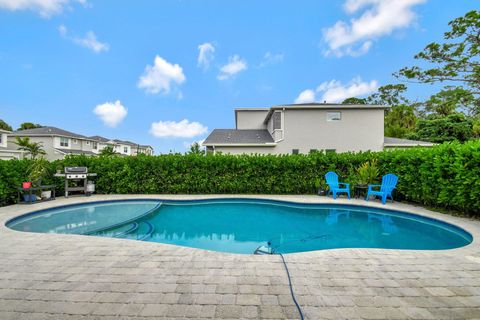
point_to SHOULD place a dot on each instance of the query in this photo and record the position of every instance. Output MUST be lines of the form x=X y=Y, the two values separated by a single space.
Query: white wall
x=358 y=130
x=251 y=119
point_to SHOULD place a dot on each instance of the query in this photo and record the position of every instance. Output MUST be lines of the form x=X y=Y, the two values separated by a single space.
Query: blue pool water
x=242 y=225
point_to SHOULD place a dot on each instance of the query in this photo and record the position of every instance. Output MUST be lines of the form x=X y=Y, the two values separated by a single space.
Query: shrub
x=445 y=176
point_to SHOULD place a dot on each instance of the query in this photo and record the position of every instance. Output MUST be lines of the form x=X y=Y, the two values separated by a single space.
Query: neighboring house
x=132 y=148
x=5 y=153
x=303 y=128
x=58 y=143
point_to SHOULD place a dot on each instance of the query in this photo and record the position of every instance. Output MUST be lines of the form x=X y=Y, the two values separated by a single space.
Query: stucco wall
x=358 y=130
x=251 y=119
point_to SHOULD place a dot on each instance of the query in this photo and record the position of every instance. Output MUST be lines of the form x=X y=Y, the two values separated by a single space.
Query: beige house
x=303 y=128
x=5 y=153
x=58 y=143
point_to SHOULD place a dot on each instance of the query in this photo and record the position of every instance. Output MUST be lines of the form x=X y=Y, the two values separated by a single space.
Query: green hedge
x=445 y=176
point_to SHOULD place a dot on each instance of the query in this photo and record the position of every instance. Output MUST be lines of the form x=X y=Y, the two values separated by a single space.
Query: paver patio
x=51 y=276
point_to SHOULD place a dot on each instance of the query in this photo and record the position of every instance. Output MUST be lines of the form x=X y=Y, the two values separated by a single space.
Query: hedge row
x=445 y=176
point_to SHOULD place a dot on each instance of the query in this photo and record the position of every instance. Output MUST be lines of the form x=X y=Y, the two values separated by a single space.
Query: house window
x=63 y=142
x=1 y=137
x=277 y=120
x=125 y=149
x=88 y=143
x=75 y=141
x=94 y=146
x=334 y=116
x=327 y=151
x=295 y=151
x=313 y=150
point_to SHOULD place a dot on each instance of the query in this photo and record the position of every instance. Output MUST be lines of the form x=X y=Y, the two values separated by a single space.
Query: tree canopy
x=28 y=125
x=5 y=126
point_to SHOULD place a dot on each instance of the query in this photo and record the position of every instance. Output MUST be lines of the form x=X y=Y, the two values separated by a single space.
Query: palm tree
x=33 y=148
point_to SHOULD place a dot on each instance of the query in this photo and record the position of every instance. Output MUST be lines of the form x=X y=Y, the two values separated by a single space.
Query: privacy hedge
x=445 y=176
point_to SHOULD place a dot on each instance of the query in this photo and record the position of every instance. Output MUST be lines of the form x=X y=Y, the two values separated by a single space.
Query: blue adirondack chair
x=389 y=182
x=335 y=187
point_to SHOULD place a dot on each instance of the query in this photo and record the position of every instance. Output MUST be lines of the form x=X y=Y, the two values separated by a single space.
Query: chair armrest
x=347 y=185
x=371 y=186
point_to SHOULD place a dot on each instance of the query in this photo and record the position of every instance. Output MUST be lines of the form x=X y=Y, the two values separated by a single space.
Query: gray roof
x=99 y=138
x=126 y=142
x=47 y=131
x=74 y=151
x=234 y=136
x=5 y=131
x=397 y=142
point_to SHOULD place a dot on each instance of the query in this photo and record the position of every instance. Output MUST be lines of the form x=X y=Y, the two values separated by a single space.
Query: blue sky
x=166 y=73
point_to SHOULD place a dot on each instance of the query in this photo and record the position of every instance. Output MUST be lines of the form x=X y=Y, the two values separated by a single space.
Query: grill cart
x=76 y=179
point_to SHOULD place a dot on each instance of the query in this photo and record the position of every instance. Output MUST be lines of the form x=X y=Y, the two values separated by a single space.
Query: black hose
x=291 y=287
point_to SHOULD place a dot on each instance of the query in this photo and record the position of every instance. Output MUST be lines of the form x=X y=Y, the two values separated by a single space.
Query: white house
x=5 y=153
x=58 y=143
x=303 y=128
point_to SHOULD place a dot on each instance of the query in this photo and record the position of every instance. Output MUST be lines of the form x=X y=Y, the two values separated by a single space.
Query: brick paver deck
x=50 y=276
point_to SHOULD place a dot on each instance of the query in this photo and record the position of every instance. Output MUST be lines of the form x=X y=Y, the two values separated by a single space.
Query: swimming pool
x=243 y=225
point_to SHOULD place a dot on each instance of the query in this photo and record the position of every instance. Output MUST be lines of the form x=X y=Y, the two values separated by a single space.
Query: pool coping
x=66 y=276
x=472 y=226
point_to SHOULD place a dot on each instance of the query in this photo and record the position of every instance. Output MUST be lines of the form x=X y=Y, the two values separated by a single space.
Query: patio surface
x=50 y=276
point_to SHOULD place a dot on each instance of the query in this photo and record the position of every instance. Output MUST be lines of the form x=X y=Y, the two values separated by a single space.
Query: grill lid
x=76 y=169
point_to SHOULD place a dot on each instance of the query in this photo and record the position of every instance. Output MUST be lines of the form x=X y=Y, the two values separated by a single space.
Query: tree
x=450 y=100
x=5 y=126
x=33 y=148
x=28 y=125
x=107 y=151
x=195 y=148
x=400 y=118
x=400 y=121
x=434 y=128
x=354 y=100
x=455 y=61
x=389 y=95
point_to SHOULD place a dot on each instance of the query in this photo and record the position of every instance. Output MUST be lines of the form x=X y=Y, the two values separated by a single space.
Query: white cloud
x=111 y=113
x=182 y=129
x=88 y=41
x=45 y=8
x=235 y=65
x=205 y=55
x=161 y=76
x=306 y=96
x=335 y=92
x=271 y=58
x=63 y=30
x=379 y=18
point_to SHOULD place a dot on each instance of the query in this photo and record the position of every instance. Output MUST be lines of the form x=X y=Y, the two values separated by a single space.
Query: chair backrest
x=332 y=179
x=389 y=182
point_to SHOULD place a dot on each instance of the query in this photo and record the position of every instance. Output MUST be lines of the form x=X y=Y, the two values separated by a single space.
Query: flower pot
x=26 y=185
x=46 y=194
x=29 y=198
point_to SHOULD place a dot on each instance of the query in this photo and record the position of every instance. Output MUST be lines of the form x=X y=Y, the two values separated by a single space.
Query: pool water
x=243 y=225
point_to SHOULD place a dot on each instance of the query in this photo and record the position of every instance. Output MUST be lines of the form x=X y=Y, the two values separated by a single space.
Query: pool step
x=148 y=232
x=118 y=232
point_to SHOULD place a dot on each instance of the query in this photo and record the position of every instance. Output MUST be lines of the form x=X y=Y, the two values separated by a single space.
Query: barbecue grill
x=78 y=176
